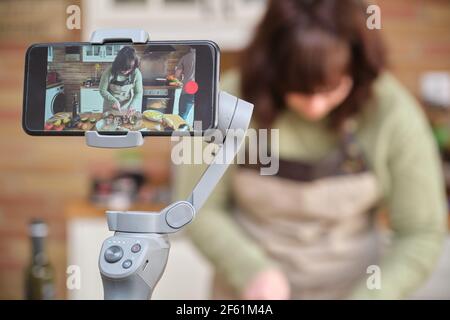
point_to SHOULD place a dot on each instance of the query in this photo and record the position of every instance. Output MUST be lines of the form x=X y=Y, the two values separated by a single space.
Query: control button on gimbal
x=113 y=254
x=127 y=263
x=179 y=215
x=136 y=248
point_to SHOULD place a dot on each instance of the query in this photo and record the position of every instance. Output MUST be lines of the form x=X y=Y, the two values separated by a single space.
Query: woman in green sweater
x=352 y=139
x=121 y=84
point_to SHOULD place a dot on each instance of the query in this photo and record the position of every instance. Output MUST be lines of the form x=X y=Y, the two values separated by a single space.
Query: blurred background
x=70 y=185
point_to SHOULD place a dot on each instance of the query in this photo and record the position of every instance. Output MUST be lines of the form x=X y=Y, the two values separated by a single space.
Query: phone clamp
x=132 y=138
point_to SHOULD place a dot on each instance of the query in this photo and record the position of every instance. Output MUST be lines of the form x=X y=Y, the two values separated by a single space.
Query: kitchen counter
x=150 y=125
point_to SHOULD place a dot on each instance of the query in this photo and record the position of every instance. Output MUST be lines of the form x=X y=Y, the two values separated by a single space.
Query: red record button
x=191 y=87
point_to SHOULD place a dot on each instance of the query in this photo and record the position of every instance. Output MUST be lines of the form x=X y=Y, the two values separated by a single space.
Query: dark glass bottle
x=75 y=110
x=39 y=275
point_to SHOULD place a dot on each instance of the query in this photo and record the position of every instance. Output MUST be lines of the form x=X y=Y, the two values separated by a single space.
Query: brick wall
x=417 y=36
x=36 y=21
x=72 y=73
x=39 y=176
x=35 y=178
x=416 y=33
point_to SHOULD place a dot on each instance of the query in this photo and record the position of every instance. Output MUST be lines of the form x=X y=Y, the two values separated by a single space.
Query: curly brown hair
x=306 y=46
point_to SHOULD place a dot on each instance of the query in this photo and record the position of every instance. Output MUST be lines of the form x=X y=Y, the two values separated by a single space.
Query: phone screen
x=155 y=88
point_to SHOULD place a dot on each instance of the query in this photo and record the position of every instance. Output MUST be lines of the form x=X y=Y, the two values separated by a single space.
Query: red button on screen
x=191 y=87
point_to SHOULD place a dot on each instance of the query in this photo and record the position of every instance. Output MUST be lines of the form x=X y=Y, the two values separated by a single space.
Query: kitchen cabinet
x=104 y=53
x=90 y=100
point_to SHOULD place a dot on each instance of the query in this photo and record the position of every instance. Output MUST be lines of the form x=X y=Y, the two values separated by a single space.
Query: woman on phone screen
x=121 y=83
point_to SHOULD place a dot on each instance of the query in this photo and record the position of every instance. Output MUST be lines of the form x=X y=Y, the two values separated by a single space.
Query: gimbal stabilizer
x=133 y=260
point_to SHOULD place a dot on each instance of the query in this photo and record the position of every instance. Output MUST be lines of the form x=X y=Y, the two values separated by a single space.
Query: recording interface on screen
x=118 y=87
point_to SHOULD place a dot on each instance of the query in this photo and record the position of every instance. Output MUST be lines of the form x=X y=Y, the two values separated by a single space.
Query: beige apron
x=123 y=91
x=314 y=220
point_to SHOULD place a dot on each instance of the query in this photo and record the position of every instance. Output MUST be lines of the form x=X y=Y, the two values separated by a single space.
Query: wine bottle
x=39 y=276
x=75 y=110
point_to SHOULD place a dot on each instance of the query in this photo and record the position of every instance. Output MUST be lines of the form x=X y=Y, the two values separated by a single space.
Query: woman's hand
x=269 y=284
x=116 y=106
x=130 y=111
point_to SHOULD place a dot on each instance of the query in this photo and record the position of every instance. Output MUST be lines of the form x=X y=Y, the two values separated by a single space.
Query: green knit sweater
x=394 y=134
x=135 y=91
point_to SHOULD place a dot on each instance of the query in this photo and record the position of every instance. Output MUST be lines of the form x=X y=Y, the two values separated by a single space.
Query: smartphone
x=156 y=87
